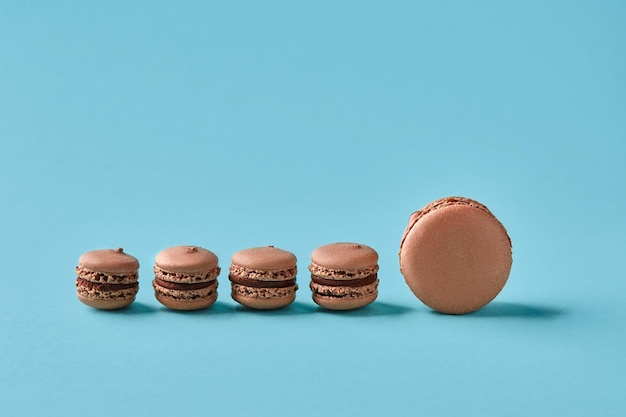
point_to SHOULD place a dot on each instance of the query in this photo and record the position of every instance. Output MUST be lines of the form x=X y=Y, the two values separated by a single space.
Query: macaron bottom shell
x=263 y=298
x=186 y=300
x=344 y=297
x=106 y=304
x=344 y=303
x=264 y=303
x=186 y=305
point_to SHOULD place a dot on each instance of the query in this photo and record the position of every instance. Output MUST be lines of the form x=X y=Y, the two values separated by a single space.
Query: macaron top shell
x=455 y=255
x=345 y=256
x=186 y=259
x=266 y=258
x=113 y=261
x=444 y=202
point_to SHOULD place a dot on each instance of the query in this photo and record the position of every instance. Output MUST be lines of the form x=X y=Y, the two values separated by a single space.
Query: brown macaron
x=263 y=278
x=185 y=277
x=455 y=255
x=107 y=278
x=344 y=276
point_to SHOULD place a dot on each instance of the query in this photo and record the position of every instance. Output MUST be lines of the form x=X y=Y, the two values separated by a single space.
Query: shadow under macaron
x=294 y=309
x=217 y=308
x=503 y=309
x=376 y=309
x=136 y=308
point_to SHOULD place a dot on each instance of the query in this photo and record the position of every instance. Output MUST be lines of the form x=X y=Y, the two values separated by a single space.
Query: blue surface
x=242 y=124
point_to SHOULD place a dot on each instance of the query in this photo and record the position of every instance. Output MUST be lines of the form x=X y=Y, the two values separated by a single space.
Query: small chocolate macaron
x=107 y=278
x=185 y=277
x=344 y=276
x=455 y=255
x=263 y=278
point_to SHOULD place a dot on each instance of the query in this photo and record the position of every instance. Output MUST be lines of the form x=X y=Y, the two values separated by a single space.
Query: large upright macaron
x=107 y=278
x=455 y=255
x=185 y=277
x=344 y=276
x=263 y=278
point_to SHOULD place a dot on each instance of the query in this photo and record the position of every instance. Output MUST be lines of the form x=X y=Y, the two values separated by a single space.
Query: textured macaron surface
x=455 y=255
x=344 y=261
x=112 y=261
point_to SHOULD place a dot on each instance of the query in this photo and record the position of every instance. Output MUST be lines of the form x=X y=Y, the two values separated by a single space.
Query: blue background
x=236 y=124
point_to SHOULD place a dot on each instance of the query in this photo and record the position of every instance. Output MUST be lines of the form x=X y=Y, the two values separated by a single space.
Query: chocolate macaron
x=185 y=277
x=107 y=278
x=344 y=276
x=263 y=278
x=455 y=255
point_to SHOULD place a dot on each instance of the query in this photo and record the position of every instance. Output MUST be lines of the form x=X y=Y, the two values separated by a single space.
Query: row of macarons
x=344 y=276
x=455 y=256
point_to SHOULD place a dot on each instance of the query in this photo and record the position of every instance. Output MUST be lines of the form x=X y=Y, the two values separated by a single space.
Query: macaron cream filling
x=337 y=274
x=255 y=283
x=332 y=291
x=343 y=282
